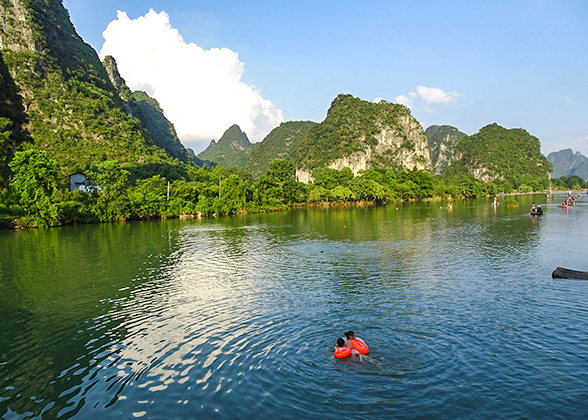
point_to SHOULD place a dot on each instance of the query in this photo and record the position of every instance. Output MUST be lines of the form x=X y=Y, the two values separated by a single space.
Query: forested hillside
x=71 y=109
x=361 y=135
x=147 y=110
x=281 y=143
x=231 y=151
x=497 y=153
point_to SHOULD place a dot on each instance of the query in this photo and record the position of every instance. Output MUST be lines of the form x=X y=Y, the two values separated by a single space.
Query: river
x=236 y=317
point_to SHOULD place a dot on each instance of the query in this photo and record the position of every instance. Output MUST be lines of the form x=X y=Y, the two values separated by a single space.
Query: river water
x=235 y=318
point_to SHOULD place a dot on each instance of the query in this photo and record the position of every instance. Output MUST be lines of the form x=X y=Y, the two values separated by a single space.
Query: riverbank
x=14 y=218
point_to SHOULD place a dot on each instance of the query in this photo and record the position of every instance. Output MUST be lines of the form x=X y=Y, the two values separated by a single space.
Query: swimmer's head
x=340 y=342
x=350 y=335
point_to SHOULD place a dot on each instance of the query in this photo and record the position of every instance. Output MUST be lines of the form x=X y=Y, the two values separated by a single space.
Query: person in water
x=340 y=343
x=355 y=355
x=350 y=336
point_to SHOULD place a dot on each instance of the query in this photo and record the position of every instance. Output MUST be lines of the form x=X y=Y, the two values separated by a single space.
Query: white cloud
x=436 y=95
x=403 y=100
x=378 y=100
x=200 y=90
x=430 y=96
x=568 y=101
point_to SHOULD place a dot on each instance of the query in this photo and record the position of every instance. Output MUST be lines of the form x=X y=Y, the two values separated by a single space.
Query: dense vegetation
x=281 y=143
x=62 y=111
x=12 y=119
x=499 y=153
x=37 y=196
x=350 y=126
x=573 y=182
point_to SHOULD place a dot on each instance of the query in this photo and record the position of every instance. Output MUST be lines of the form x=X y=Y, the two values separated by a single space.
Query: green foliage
x=573 y=182
x=350 y=126
x=35 y=182
x=12 y=119
x=329 y=178
x=281 y=143
x=113 y=192
x=511 y=202
x=512 y=155
x=231 y=151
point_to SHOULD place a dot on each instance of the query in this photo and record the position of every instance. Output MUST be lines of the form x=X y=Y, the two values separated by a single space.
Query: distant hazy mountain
x=442 y=140
x=231 y=151
x=567 y=163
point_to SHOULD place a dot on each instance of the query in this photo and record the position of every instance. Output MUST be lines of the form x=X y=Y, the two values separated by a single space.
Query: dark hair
x=349 y=334
x=340 y=342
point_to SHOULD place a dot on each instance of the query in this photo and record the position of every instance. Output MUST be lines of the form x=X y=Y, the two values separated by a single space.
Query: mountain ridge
x=231 y=150
x=567 y=163
x=73 y=111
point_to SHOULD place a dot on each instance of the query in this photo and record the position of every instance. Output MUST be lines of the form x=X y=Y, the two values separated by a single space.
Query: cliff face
x=72 y=109
x=16 y=34
x=361 y=135
x=442 y=141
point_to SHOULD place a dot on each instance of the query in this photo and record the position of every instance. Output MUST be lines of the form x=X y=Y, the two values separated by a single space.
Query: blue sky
x=521 y=64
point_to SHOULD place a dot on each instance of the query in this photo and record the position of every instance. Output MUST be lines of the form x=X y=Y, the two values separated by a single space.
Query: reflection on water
x=233 y=317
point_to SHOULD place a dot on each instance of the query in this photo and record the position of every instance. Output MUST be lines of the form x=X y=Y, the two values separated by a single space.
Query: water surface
x=236 y=317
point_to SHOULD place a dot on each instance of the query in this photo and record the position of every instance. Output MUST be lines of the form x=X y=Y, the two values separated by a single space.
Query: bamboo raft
x=564 y=273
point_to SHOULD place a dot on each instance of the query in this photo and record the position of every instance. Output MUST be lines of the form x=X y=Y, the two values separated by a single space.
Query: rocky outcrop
x=15 y=33
x=442 y=141
x=362 y=135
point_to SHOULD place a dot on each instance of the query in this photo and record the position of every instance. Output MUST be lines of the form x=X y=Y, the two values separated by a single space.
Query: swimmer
x=355 y=355
x=350 y=336
x=340 y=343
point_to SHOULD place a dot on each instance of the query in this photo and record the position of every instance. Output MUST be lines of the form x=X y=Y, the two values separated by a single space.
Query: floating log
x=564 y=273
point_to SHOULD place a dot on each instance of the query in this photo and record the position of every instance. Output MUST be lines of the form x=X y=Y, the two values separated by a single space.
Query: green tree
x=112 y=183
x=35 y=182
x=233 y=195
x=149 y=197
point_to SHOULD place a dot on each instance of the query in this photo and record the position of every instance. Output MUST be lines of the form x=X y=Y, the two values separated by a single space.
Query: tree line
x=38 y=197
